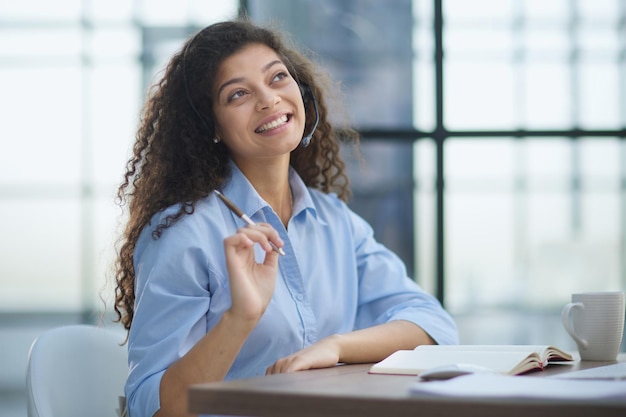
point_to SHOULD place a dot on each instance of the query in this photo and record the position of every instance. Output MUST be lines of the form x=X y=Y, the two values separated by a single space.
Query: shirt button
x=299 y=297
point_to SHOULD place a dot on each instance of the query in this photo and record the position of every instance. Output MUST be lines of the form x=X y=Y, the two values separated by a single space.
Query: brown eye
x=237 y=94
x=280 y=76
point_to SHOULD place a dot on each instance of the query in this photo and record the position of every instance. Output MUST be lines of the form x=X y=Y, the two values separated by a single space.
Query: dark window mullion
x=439 y=136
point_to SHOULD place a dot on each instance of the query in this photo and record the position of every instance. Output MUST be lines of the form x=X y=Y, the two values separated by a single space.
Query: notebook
x=505 y=359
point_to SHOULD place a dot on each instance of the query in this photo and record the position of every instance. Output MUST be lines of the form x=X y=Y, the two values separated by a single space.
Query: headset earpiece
x=307 y=95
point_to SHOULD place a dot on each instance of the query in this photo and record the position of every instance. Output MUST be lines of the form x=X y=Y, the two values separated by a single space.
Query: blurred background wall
x=493 y=139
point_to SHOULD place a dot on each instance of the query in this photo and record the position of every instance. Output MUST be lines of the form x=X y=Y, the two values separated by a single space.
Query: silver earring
x=216 y=140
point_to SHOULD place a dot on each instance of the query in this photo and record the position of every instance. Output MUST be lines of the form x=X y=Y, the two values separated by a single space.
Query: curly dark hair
x=175 y=160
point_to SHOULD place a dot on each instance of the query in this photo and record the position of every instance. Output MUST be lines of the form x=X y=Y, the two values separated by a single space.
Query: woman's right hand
x=251 y=284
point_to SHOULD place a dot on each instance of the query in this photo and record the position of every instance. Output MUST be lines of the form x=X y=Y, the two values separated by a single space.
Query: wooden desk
x=348 y=390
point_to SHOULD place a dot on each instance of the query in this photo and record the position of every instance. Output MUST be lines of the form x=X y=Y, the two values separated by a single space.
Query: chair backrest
x=76 y=371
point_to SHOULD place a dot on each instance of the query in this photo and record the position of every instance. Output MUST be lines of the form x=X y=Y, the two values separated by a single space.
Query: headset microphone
x=307 y=139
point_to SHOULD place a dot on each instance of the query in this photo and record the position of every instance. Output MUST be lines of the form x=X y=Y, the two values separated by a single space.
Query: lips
x=276 y=123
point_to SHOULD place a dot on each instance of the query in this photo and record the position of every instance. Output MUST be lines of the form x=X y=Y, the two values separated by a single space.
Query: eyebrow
x=265 y=68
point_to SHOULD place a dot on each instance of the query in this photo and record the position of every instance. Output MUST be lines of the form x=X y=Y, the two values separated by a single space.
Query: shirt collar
x=244 y=195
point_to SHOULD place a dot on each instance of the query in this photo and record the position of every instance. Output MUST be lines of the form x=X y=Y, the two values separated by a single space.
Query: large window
x=493 y=138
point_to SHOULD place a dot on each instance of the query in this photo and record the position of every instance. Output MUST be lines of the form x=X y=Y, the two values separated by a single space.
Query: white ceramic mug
x=595 y=320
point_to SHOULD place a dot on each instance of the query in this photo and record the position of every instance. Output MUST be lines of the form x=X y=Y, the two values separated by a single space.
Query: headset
x=305 y=91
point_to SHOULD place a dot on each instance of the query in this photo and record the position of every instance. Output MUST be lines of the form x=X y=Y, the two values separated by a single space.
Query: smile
x=273 y=124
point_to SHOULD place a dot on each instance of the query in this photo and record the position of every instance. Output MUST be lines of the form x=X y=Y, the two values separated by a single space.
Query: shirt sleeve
x=172 y=300
x=386 y=292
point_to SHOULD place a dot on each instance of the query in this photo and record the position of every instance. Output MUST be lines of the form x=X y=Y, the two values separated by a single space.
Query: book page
x=545 y=352
x=413 y=362
x=485 y=348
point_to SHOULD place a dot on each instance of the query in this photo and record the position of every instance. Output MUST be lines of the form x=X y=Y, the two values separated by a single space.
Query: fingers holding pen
x=274 y=241
x=262 y=233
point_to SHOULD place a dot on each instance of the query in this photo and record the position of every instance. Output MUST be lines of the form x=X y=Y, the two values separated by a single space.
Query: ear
x=217 y=129
x=218 y=133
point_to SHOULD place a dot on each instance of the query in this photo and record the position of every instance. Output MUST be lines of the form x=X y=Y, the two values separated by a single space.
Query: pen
x=244 y=217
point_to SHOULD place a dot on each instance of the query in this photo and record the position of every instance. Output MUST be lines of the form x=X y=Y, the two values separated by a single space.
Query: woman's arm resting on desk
x=362 y=346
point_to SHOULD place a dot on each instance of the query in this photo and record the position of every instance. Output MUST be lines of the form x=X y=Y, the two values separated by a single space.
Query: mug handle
x=565 y=316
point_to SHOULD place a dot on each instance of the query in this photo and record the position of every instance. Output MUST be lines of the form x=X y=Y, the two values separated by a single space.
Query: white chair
x=76 y=371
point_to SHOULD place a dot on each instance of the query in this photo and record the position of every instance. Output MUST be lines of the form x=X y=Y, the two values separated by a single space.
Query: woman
x=206 y=297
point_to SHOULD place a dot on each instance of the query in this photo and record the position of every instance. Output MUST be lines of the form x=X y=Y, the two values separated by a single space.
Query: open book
x=506 y=359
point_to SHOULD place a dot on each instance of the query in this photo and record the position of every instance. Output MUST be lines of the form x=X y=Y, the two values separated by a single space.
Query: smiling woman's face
x=258 y=106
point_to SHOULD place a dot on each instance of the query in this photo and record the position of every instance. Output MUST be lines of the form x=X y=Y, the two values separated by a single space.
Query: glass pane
x=461 y=10
x=599 y=42
x=548 y=249
x=42 y=43
x=110 y=10
x=40 y=268
x=424 y=164
x=547 y=164
x=46 y=116
x=115 y=103
x=201 y=12
x=424 y=210
x=599 y=95
x=163 y=12
x=541 y=10
x=600 y=163
x=601 y=215
x=38 y=10
x=115 y=43
x=423 y=67
x=599 y=10
x=560 y=261
x=423 y=13
x=546 y=44
x=479 y=250
x=476 y=43
x=479 y=95
x=423 y=96
x=479 y=163
x=107 y=227
x=546 y=95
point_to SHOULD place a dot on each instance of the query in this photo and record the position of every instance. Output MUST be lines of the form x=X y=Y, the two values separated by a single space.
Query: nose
x=267 y=99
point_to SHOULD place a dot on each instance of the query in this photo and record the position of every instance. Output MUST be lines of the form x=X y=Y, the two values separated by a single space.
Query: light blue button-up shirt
x=335 y=278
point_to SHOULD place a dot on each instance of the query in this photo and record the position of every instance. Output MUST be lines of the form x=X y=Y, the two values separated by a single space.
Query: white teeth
x=273 y=124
